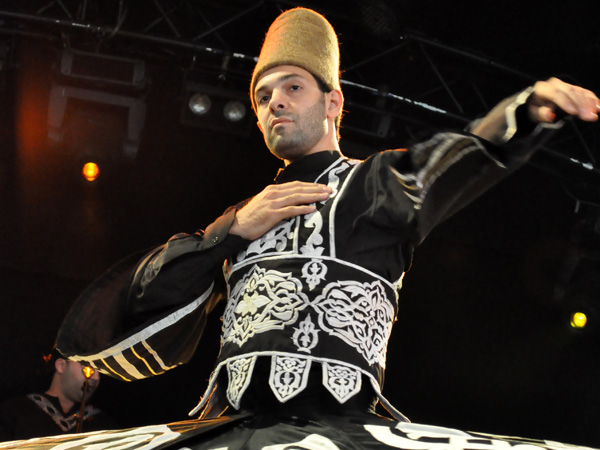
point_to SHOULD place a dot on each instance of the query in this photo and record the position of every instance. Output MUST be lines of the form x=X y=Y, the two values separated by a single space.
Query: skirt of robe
x=348 y=431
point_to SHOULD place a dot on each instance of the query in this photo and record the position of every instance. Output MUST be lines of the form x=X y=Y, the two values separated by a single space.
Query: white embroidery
x=275 y=239
x=333 y=208
x=240 y=374
x=289 y=376
x=333 y=178
x=305 y=337
x=414 y=436
x=359 y=314
x=146 y=438
x=65 y=423
x=314 y=272
x=448 y=149
x=342 y=381
x=313 y=245
x=398 y=284
x=263 y=300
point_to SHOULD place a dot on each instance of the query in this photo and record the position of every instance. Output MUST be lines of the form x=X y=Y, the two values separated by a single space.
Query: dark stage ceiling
x=483 y=340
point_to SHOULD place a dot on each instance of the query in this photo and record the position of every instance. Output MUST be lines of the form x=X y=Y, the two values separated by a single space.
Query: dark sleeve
x=398 y=196
x=183 y=269
x=21 y=418
x=146 y=314
x=450 y=170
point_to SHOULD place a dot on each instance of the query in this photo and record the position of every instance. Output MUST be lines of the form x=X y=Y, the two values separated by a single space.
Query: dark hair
x=322 y=85
x=325 y=89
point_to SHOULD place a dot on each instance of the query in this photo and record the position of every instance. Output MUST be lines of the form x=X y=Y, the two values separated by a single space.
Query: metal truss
x=434 y=85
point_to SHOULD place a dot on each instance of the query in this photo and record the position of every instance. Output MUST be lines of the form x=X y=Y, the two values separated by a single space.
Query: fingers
x=590 y=105
x=292 y=199
x=554 y=93
x=293 y=211
x=275 y=203
x=546 y=114
x=296 y=193
x=296 y=187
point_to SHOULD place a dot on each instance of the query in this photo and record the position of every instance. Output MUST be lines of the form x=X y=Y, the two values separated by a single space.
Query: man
x=313 y=265
x=55 y=411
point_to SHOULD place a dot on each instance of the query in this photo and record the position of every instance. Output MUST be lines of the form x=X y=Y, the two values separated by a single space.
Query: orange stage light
x=88 y=372
x=90 y=171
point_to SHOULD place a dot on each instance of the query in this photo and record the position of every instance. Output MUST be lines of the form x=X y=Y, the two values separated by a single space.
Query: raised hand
x=551 y=95
x=275 y=203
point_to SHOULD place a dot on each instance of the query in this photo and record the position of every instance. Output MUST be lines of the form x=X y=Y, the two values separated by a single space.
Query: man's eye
x=295 y=87
x=263 y=99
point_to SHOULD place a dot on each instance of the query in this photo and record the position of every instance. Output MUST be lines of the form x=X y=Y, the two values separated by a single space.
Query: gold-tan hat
x=304 y=38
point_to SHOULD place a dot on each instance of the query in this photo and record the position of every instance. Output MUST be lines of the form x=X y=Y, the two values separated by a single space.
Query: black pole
x=82 y=407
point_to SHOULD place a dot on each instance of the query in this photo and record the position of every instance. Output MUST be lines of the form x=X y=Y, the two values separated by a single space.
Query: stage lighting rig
x=106 y=90
x=216 y=108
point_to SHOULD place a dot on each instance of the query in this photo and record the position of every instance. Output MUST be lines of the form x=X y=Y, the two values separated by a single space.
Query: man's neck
x=65 y=404
x=321 y=148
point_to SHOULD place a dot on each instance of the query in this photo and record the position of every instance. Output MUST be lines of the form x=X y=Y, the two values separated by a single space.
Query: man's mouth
x=279 y=121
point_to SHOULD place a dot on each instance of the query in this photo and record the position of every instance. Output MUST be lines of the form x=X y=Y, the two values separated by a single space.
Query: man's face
x=291 y=112
x=72 y=382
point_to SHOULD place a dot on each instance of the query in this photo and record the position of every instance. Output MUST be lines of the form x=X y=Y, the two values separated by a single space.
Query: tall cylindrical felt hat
x=304 y=38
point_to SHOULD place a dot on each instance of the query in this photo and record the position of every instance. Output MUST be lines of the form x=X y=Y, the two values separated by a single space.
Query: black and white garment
x=35 y=415
x=294 y=301
x=349 y=431
x=309 y=305
x=66 y=422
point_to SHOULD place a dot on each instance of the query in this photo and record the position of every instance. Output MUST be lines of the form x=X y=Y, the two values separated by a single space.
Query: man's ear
x=60 y=365
x=335 y=103
x=259 y=126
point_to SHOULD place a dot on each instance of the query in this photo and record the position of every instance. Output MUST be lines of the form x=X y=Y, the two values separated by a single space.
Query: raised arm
x=545 y=102
x=443 y=174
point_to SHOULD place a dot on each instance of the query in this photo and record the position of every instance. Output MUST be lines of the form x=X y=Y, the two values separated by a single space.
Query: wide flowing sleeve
x=146 y=314
x=448 y=171
x=397 y=197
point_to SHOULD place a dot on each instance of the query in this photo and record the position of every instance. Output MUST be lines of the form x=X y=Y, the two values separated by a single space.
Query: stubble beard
x=309 y=129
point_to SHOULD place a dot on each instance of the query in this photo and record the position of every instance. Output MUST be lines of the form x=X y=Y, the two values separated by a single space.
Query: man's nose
x=278 y=100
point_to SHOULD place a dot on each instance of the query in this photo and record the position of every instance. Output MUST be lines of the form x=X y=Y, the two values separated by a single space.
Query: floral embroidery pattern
x=342 y=381
x=305 y=337
x=314 y=272
x=289 y=376
x=240 y=374
x=263 y=300
x=359 y=314
x=276 y=239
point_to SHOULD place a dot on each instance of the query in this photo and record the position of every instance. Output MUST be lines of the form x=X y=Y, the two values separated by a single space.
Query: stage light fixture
x=216 y=108
x=106 y=69
x=132 y=108
x=578 y=320
x=90 y=171
x=234 y=111
x=200 y=104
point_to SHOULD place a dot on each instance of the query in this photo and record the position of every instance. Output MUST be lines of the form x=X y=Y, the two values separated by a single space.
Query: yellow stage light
x=578 y=320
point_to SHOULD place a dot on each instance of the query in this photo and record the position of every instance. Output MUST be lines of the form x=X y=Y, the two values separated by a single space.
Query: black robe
x=310 y=304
